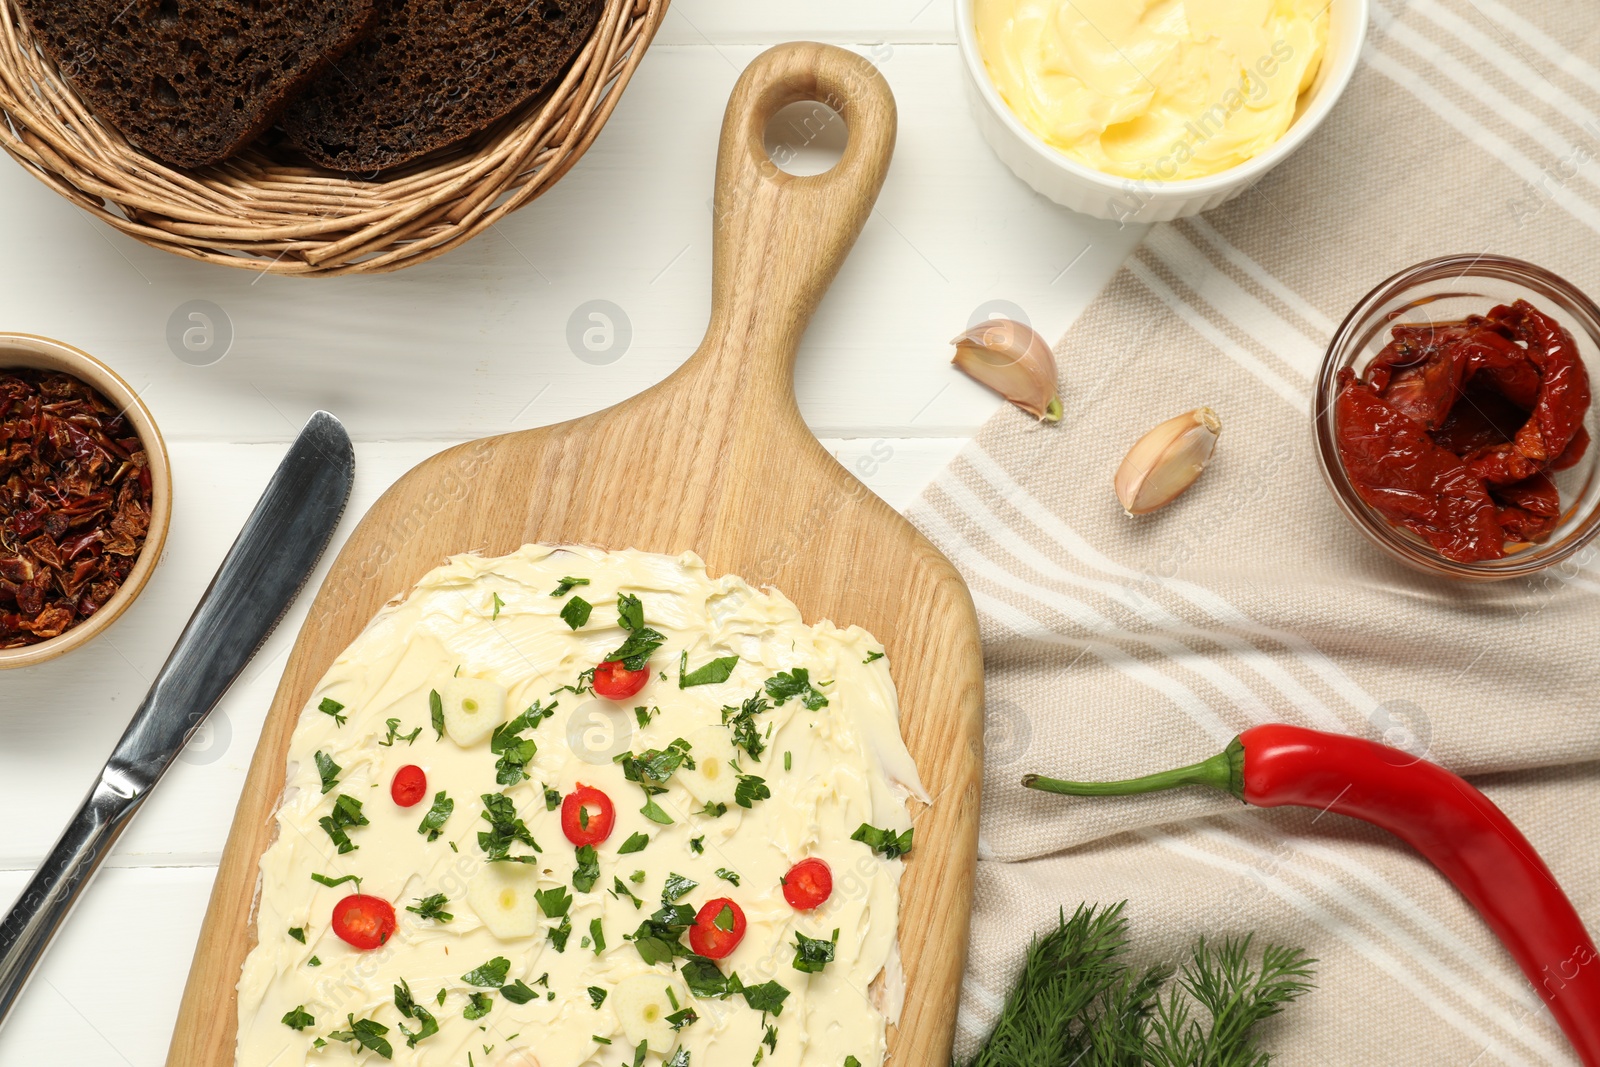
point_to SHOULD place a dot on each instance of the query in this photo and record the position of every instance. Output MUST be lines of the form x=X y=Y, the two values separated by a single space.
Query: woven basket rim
x=269 y=211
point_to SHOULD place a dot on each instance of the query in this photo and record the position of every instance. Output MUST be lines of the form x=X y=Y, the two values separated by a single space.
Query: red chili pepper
x=710 y=940
x=587 y=815
x=410 y=785
x=615 y=682
x=363 y=921
x=808 y=884
x=1455 y=827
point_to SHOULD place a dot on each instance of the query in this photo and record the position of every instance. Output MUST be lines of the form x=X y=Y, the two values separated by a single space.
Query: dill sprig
x=1077 y=1004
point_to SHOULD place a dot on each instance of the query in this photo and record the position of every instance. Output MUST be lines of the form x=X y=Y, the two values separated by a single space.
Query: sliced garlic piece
x=713 y=780
x=642 y=1006
x=1012 y=359
x=501 y=896
x=473 y=707
x=1167 y=460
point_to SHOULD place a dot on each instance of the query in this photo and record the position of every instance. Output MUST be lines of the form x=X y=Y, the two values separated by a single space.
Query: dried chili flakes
x=1455 y=427
x=74 y=503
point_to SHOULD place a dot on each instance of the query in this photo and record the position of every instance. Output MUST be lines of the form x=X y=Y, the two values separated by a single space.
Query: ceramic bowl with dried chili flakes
x=85 y=498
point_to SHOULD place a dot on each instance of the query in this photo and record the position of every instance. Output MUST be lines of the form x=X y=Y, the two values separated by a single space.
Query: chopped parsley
x=346 y=814
x=636 y=842
x=519 y=992
x=597 y=996
x=706 y=980
x=697 y=845
x=554 y=902
x=329 y=771
x=432 y=823
x=515 y=751
x=298 y=1019
x=725 y=919
x=410 y=1009
x=630 y=613
x=366 y=1033
x=767 y=997
x=644 y=715
x=585 y=684
x=552 y=799
x=679 y=1058
x=329 y=706
x=788 y=761
x=498 y=604
x=659 y=938
x=491 y=975
x=436 y=713
x=396 y=735
x=677 y=887
x=621 y=890
x=313 y=962
x=588 y=869
x=727 y=875
x=886 y=842
x=298 y=933
x=742 y=721
x=812 y=954
x=652 y=768
x=870 y=657
x=750 y=789
x=575 y=613
x=478 y=1005
x=641 y=642
x=718 y=670
x=432 y=908
x=797 y=683
x=568 y=584
x=682 y=1017
x=505 y=829
x=851 y=1061
x=597 y=935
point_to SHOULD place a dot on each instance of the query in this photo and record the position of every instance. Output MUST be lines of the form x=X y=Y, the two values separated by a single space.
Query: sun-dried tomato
x=1453 y=429
x=75 y=498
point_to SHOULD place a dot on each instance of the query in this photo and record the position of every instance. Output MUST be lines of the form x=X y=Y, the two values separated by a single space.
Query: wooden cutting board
x=716 y=460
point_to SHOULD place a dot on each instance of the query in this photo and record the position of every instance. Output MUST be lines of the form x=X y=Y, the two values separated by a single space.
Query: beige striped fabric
x=1117 y=647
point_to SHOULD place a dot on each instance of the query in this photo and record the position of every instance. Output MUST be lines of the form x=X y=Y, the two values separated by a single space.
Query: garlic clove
x=1012 y=359
x=1166 y=461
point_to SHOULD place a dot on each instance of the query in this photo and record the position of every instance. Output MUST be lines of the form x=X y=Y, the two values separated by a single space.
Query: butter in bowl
x=1140 y=111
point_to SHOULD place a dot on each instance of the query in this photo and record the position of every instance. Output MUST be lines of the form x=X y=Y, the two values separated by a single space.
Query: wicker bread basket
x=267 y=210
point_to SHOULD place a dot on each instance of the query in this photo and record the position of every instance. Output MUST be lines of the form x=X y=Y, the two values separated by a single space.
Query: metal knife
x=258 y=580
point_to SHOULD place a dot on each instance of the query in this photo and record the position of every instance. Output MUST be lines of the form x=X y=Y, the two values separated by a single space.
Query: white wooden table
x=473 y=344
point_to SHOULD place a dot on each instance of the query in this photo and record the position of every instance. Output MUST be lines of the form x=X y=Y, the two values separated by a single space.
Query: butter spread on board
x=1158 y=90
x=557 y=956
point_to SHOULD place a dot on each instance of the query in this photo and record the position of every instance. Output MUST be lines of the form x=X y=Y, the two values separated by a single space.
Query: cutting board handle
x=779 y=239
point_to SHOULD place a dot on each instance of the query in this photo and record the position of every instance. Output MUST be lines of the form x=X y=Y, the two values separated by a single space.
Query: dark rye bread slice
x=432 y=73
x=193 y=81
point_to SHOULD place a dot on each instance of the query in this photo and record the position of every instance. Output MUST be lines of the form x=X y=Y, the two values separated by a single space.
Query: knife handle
x=45 y=903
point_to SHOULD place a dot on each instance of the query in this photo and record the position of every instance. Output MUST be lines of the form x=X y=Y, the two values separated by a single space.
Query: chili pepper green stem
x=1224 y=771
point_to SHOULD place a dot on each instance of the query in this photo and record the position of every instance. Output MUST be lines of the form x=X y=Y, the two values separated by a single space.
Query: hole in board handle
x=806 y=138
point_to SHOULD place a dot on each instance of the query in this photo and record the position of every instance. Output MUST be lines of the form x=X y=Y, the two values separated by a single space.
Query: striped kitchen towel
x=1118 y=646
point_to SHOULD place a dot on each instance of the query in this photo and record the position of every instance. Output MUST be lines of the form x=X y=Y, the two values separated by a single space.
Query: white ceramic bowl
x=1119 y=199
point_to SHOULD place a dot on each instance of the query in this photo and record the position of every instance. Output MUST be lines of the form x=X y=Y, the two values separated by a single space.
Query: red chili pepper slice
x=1455 y=827
x=808 y=884
x=410 y=785
x=362 y=921
x=712 y=941
x=587 y=815
x=615 y=682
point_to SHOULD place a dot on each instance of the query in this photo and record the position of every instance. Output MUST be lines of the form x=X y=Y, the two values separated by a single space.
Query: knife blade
x=258 y=581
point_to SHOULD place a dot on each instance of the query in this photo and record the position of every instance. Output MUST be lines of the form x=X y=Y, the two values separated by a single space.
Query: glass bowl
x=1445 y=290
